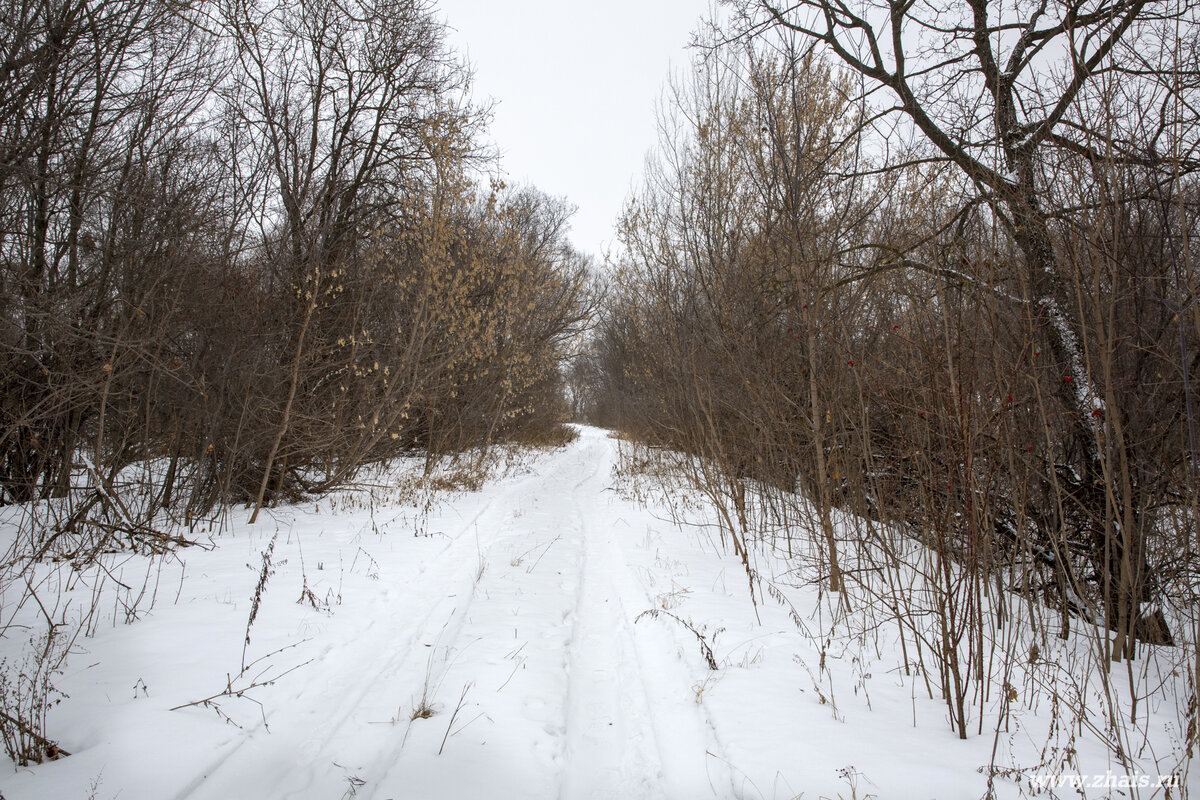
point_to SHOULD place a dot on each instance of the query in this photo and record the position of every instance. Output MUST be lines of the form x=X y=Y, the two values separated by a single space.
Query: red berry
x=1067 y=378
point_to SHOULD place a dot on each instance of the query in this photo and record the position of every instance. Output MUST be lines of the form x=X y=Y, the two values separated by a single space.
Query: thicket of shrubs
x=244 y=251
x=958 y=305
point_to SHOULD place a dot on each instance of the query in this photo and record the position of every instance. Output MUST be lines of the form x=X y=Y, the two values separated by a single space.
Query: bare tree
x=834 y=332
x=1019 y=97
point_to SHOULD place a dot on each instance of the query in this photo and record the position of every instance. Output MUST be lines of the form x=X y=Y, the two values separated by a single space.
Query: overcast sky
x=575 y=86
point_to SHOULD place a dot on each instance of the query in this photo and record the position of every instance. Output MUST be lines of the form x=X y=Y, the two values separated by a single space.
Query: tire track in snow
x=608 y=703
x=303 y=767
x=660 y=742
x=505 y=544
x=611 y=749
x=356 y=692
x=694 y=761
x=519 y=630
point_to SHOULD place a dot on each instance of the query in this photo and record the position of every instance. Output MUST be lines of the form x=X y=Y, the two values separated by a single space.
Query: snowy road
x=508 y=623
x=520 y=635
x=514 y=619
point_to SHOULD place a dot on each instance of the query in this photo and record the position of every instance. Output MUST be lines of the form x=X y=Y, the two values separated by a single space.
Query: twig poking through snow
x=264 y=573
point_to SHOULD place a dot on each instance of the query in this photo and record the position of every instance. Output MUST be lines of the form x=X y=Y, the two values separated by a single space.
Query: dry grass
x=468 y=478
x=550 y=438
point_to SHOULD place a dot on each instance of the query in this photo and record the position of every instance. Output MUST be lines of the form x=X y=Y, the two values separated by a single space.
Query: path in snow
x=516 y=616
x=527 y=616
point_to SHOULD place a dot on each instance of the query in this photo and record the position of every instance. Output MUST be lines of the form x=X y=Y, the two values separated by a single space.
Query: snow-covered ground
x=514 y=619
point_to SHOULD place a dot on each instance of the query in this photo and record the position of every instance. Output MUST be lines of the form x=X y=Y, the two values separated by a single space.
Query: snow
x=517 y=616
x=1085 y=392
